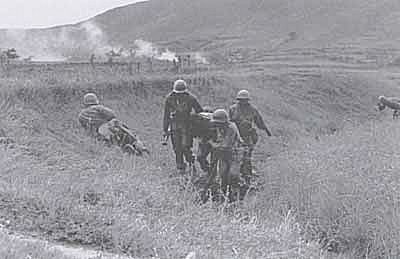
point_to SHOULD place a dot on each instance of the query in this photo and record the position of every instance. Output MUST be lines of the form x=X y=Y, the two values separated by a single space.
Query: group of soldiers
x=225 y=138
x=224 y=135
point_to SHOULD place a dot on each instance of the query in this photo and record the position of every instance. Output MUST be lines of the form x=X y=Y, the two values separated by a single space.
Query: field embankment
x=58 y=182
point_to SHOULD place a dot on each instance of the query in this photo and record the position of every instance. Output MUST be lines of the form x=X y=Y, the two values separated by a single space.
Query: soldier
x=391 y=102
x=94 y=115
x=3 y=60
x=92 y=60
x=101 y=122
x=245 y=116
x=150 y=62
x=203 y=129
x=138 y=67
x=178 y=106
x=223 y=150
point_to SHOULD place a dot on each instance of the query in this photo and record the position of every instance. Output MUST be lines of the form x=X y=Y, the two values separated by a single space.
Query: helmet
x=90 y=99
x=208 y=109
x=180 y=86
x=243 y=95
x=220 y=116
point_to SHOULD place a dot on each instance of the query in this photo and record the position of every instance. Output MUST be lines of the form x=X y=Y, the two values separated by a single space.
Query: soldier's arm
x=109 y=114
x=232 y=117
x=258 y=120
x=236 y=130
x=196 y=105
x=167 y=114
x=104 y=113
x=230 y=114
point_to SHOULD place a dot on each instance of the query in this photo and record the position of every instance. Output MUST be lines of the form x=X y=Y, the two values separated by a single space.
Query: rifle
x=166 y=137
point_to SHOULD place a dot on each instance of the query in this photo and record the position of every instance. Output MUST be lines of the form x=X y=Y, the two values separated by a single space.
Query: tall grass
x=344 y=189
x=58 y=182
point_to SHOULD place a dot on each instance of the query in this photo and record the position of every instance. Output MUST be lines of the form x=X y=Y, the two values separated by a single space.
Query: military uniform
x=115 y=132
x=203 y=130
x=93 y=116
x=223 y=151
x=245 y=116
x=177 y=110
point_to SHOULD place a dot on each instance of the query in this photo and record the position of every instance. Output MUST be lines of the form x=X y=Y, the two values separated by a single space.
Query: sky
x=47 y=13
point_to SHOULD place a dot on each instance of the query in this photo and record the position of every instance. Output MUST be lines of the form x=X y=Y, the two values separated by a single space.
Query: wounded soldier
x=101 y=122
x=391 y=102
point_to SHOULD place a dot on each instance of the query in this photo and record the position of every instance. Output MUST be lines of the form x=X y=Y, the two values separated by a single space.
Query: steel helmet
x=243 y=95
x=90 y=99
x=208 y=109
x=180 y=86
x=220 y=116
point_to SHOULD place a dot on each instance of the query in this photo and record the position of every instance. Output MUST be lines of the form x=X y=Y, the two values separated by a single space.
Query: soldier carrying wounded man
x=224 y=153
x=101 y=123
x=246 y=117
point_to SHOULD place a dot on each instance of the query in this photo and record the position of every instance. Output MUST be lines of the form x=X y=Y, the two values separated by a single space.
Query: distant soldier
x=92 y=60
x=180 y=63
x=138 y=67
x=132 y=54
x=179 y=104
x=150 y=63
x=101 y=122
x=3 y=60
x=110 y=60
x=245 y=116
x=223 y=151
x=175 y=64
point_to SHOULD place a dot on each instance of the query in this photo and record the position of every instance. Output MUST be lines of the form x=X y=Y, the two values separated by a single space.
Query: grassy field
x=321 y=185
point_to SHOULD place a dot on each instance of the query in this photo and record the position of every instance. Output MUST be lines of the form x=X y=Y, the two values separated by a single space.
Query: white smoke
x=77 y=42
x=96 y=40
x=147 y=49
x=167 y=55
x=58 y=44
x=200 y=59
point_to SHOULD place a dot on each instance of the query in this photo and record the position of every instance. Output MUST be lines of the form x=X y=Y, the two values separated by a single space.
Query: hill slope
x=210 y=25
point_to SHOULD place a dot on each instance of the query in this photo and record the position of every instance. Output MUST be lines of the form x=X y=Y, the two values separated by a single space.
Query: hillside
x=220 y=25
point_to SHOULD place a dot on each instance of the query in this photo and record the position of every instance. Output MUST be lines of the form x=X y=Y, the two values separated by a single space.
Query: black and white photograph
x=199 y=129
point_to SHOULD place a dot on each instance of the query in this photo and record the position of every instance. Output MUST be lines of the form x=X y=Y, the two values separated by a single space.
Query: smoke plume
x=79 y=42
x=57 y=44
x=147 y=49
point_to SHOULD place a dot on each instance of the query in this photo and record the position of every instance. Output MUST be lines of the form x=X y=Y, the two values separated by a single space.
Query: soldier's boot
x=190 y=159
x=395 y=114
x=204 y=164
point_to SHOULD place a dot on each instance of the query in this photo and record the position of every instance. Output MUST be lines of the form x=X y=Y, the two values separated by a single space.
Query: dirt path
x=73 y=252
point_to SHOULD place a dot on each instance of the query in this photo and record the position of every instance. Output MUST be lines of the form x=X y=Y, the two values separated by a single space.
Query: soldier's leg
x=225 y=166
x=246 y=166
x=212 y=175
x=246 y=171
x=187 y=144
x=176 y=139
x=204 y=151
